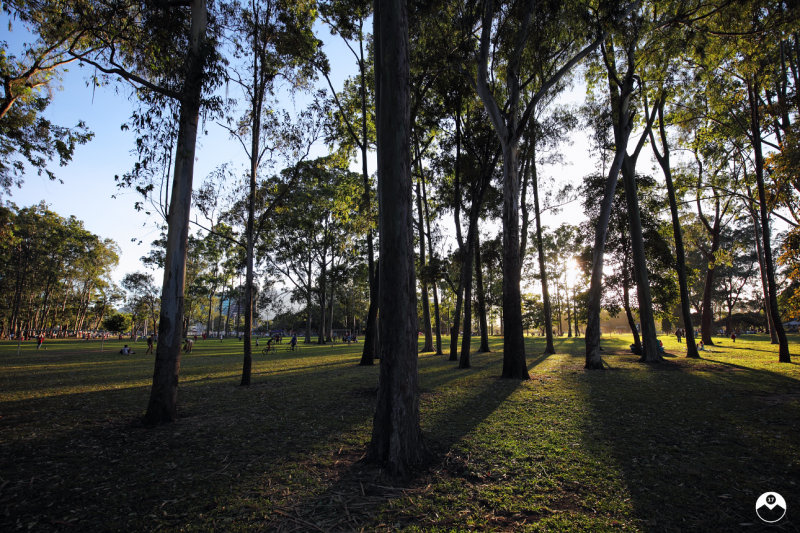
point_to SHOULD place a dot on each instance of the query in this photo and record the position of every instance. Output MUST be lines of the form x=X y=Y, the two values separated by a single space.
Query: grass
x=687 y=445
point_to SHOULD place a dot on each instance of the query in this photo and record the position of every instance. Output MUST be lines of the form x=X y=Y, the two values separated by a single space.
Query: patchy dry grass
x=682 y=446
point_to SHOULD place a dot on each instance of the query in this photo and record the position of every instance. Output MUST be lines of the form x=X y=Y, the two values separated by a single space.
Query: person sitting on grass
x=126 y=351
x=188 y=345
x=701 y=347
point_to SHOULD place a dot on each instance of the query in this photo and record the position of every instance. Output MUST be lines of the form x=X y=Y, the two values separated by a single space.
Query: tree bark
x=466 y=270
x=456 y=318
x=481 y=297
x=755 y=126
x=162 y=406
x=548 y=311
x=593 y=358
x=514 y=364
x=763 y=274
x=677 y=232
x=396 y=436
x=436 y=311
x=650 y=351
x=426 y=304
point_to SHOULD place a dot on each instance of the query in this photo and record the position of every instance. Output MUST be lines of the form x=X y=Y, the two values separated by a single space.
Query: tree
x=619 y=55
x=164 y=49
x=143 y=293
x=510 y=119
x=663 y=158
x=26 y=137
x=54 y=271
x=396 y=436
x=347 y=18
x=277 y=43
x=117 y=322
x=619 y=254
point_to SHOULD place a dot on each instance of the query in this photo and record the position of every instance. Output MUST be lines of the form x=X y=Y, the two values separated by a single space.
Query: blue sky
x=89 y=191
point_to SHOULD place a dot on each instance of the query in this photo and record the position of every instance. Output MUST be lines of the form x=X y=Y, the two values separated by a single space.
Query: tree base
x=594 y=365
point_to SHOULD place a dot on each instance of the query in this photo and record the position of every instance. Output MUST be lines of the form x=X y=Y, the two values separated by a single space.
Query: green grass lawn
x=681 y=446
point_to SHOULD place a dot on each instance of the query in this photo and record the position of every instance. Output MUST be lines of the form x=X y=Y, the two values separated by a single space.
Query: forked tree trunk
x=755 y=128
x=677 y=232
x=396 y=436
x=650 y=347
x=162 y=406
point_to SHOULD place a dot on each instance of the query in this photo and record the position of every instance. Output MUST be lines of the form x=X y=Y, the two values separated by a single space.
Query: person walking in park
x=679 y=334
x=149 y=345
x=39 y=340
x=294 y=341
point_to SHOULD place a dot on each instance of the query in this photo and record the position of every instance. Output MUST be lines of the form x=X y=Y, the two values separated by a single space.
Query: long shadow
x=696 y=443
x=78 y=462
x=220 y=462
x=354 y=500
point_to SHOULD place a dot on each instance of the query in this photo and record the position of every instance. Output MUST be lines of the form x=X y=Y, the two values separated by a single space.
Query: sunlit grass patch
x=684 y=445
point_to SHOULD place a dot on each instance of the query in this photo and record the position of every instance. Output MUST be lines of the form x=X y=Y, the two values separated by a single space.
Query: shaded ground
x=681 y=446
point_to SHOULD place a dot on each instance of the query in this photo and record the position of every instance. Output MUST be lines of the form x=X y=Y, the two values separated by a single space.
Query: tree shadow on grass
x=361 y=496
x=235 y=456
x=77 y=461
x=695 y=442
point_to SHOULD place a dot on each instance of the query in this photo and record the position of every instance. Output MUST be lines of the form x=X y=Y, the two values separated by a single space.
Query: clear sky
x=90 y=193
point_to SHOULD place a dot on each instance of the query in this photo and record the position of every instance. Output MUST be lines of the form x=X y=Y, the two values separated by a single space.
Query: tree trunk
x=426 y=304
x=514 y=364
x=370 y=348
x=309 y=301
x=593 y=358
x=626 y=303
x=436 y=312
x=707 y=316
x=763 y=273
x=755 y=127
x=680 y=254
x=247 y=363
x=162 y=406
x=548 y=311
x=650 y=346
x=396 y=436
x=369 y=352
x=466 y=332
x=455 y=325
x=481 y=297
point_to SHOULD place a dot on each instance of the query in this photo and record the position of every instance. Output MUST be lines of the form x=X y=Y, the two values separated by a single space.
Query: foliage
x=53 y=271
x=118 y=322
x=27 y=139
